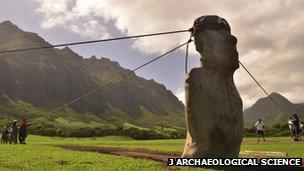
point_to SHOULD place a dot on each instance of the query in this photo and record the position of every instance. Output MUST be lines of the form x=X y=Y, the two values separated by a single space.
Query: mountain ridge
x=48 y=78
x=266 y=110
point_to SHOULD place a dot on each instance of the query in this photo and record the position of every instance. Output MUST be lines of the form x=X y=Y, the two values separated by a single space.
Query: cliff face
x=49 y=78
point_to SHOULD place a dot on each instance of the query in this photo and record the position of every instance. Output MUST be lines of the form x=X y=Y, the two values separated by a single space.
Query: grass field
x=41 y=154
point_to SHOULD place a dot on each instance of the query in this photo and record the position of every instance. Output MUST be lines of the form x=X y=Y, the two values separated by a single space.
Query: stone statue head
x=216 y=45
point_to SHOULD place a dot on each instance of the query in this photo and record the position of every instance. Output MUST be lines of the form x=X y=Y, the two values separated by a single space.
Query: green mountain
x=33 y=83
x=269 y=113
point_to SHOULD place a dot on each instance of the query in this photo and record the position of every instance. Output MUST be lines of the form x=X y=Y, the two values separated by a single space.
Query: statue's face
x=218 y=49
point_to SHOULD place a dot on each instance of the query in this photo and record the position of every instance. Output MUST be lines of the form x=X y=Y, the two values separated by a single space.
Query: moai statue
x=214 y=113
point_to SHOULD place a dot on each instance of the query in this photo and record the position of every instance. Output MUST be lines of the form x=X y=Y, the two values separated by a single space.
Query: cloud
x=180 y=94
x=270 y=33
x=90 y=28
x=55 y=11
x=69 y=15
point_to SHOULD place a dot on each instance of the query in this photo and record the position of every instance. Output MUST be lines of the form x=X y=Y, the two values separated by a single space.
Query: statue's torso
x=213 y=113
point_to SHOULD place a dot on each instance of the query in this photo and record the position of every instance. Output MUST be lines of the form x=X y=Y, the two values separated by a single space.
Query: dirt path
x=160 y=157
x=136 y=153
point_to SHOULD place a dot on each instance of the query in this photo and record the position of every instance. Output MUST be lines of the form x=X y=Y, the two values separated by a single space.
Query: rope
x=94 y=41
x=274 y=102
x=192 y=30
x=118 y=78
x=186 y=59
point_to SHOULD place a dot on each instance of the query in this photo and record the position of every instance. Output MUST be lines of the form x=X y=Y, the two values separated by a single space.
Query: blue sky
x=270 y=38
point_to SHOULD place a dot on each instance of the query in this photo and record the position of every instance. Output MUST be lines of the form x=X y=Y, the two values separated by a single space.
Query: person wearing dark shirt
x=23 y=131
x=296 y=123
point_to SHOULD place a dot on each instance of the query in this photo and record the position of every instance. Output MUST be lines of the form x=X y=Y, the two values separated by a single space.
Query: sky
x=270 y=36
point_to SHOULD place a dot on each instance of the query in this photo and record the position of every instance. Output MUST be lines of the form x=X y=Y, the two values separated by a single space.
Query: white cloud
x=77 y=17
x=91 y=28
x=51 y=7
x=270 y=33
x=180 y=94
x=55 y=11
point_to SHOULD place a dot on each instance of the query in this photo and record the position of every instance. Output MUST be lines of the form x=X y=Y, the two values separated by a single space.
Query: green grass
x=41 y=157
x=40 y=154
x=284 y=144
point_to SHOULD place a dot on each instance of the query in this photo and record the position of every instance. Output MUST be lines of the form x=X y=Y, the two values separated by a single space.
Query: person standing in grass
x=302 y=128
x=14 y=132
x=259 y=125
x=23 y=131
x=5 y=135
x=296 y=123
x=291 y=127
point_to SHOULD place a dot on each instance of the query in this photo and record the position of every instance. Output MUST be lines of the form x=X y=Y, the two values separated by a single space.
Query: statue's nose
x=232 y=40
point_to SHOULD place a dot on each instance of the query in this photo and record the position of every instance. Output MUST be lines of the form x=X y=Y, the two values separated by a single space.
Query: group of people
x=296 y=127
x=11 y=133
